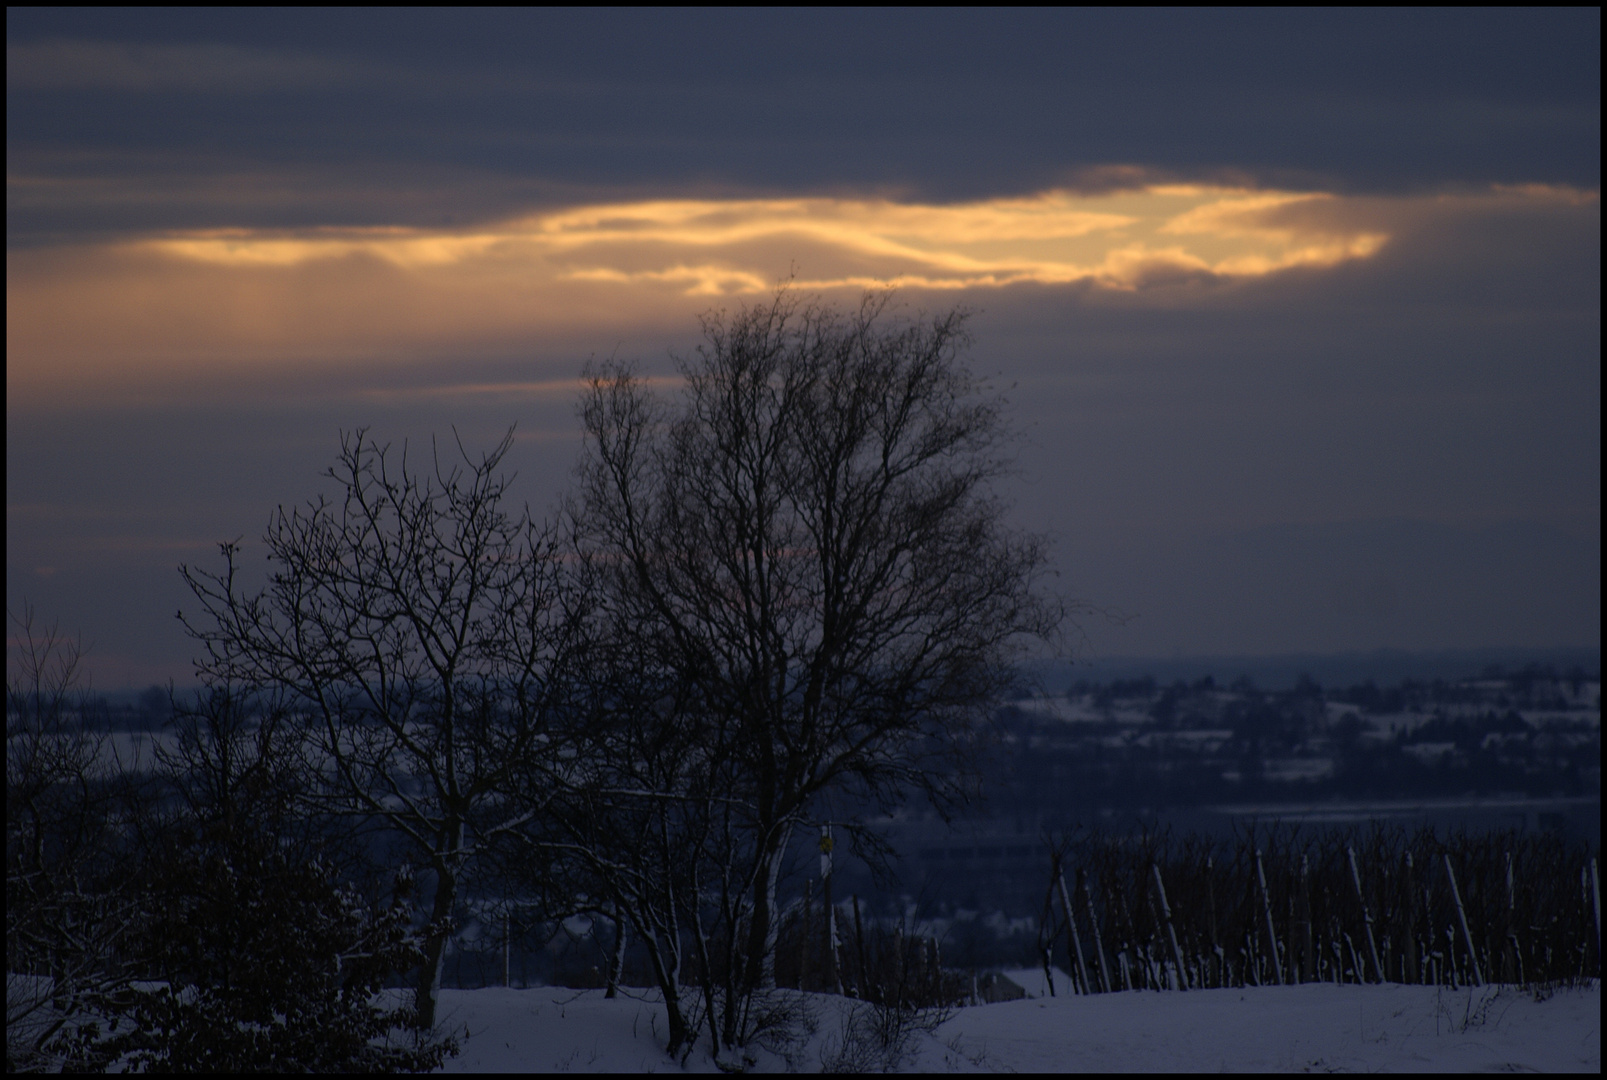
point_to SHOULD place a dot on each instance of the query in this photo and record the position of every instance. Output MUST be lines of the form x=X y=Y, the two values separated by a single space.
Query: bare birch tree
x=808 y=537
x=422 y=631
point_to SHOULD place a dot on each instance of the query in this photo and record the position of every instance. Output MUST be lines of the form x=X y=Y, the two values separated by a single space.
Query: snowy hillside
x=1316 y=1028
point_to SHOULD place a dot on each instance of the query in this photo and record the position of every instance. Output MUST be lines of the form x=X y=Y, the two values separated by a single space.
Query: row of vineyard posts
x=1147 y=913
x=1269 y=906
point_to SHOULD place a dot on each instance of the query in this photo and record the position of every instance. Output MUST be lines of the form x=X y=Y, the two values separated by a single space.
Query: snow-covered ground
x=1318 y=1028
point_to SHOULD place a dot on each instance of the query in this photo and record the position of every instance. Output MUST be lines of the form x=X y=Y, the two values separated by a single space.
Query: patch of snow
x=1317 y=1027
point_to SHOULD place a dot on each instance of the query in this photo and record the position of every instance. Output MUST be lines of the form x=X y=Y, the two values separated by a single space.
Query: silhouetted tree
x=809 y=542
x=422 y=630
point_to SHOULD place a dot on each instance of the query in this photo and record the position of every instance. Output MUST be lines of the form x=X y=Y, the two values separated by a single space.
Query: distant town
x=1104 y=749
x=1132 y=744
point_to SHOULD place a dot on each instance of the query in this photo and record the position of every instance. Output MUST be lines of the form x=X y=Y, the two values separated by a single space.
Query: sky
x=1298 y=312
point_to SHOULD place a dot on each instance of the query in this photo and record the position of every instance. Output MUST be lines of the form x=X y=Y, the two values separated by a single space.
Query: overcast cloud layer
x=1300 y=311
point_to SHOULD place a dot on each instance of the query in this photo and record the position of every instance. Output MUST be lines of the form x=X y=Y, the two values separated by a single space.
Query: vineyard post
x=1293 y=927
x=1367 y=915
x=1075 y=939
x=1512 y=964
x=1584 y=898
x=1355 y=958
x=1266 y=901
x=1308 y=945
x=1409 y=948
x=1171 y=932
x=859 y=947
x=1093 y=919
x=1595 y=897
x=1046 y=933
x=832 y=980
x=1130 y=925
x=1210 y=899
x=1461 y=914
x=1428 y=928
x=804 y=938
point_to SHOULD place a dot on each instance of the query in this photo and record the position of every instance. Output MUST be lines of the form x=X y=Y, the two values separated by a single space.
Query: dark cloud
x=418 y=116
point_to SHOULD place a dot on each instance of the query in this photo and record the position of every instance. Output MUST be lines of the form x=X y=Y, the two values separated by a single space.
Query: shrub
x=268 y=964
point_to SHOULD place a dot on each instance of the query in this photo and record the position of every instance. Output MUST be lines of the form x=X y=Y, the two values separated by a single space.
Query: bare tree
x=237 y=764
x=809 y=539
x=423 y=631
x=65 y=907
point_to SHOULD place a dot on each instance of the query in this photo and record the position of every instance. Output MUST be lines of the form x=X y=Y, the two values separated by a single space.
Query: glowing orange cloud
x=97 y=320
x=711 y=248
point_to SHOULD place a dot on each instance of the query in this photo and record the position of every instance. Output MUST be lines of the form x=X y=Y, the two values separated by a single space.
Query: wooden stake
x=1409 y=945
x=859 y=944
x=1099 y=945
x=1308 y=947
x=1166 y=913
x=1075 y=941
x=1510 y=965
x=833 y=979
x=1046 y=931
x=1367 y=916
x=1467 y=936
x=1266 y=902
x=803 y=938
x=1595 y=896
x=1355 y=958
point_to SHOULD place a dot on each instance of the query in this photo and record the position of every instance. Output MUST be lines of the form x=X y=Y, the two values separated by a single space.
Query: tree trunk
x=666 y=958
x=429 y=980
x=616 y=962
x=762 y=934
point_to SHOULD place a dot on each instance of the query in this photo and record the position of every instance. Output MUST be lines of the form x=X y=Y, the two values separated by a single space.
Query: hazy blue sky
x=1300 y=311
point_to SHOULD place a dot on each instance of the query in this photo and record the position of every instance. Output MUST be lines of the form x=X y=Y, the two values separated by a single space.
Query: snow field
x=1317 y=1027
